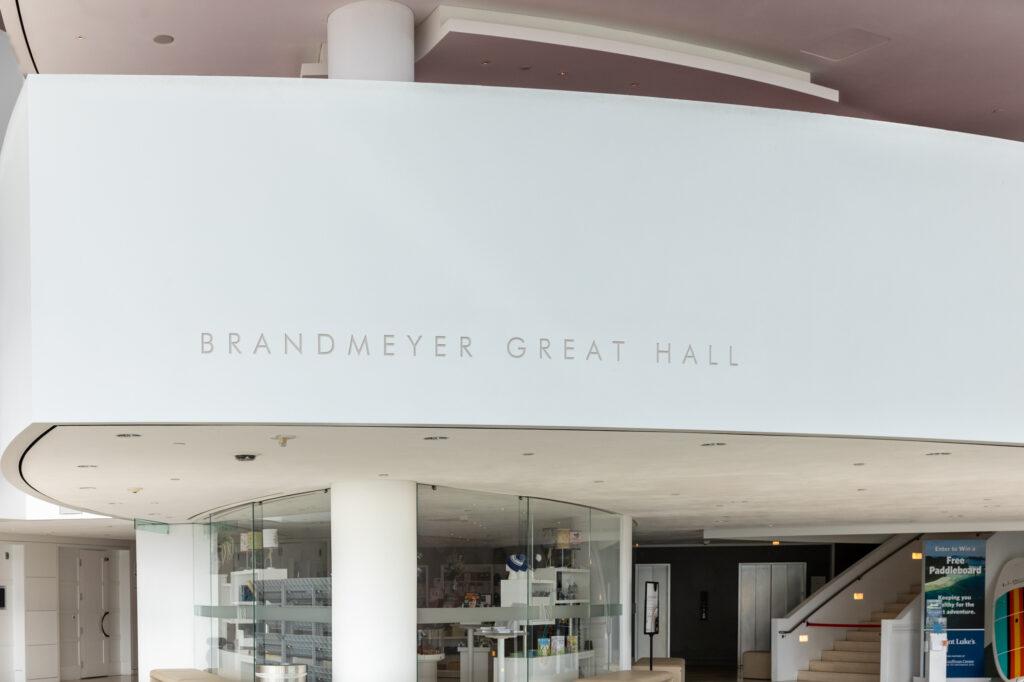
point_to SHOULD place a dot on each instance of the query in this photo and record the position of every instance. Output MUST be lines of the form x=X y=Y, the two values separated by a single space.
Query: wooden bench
x=676 y=666
x=757 y=665
x=184 y=675
x=637 y=676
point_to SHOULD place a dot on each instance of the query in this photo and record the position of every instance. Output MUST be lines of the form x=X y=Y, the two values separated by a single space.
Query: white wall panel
x=40 y=560
x=41 y=628
x=40 y=594
x=806 y=243
x=42 y=661
x=165 y=572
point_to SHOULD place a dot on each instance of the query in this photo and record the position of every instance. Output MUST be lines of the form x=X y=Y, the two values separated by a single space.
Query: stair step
x=915 y=588
x=857 y=646
x=866 y=667
x=858 y=656
x=907 y=596
x=895 y=606
x=864 y=635
x=816 y=676
x=884 y=615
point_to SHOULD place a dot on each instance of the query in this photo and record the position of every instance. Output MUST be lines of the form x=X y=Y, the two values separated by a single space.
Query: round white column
x=371 y=40
x=373 y=579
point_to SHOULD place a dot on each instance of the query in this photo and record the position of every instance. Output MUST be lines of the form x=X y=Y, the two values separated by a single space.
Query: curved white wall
x=866 y=276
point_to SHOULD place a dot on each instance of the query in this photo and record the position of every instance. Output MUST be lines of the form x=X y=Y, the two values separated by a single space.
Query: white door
x=93 y=647
x=659 y=573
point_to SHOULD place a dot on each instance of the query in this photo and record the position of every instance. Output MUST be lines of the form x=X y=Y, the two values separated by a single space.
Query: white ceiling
x=70 y=528
x=952 y=64
x=673 y=485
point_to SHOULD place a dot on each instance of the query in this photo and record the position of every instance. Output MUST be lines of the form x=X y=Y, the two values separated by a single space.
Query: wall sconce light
x=916 y=555
x=858 y=596
x=803 y=638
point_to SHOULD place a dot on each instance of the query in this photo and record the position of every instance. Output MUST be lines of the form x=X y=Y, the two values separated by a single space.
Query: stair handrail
x=783 y=633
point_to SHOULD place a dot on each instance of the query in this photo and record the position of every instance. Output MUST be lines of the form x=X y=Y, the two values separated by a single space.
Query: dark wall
x=715 y=569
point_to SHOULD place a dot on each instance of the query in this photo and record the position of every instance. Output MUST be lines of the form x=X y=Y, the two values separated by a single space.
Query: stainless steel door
x=766 y=591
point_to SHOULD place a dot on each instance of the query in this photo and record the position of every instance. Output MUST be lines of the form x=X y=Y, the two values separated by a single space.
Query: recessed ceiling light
x=128 y=435
x=86 y=466
x=436 y=438
x=711 y=445
x=633 y=85
x=485 y=62
x=87 y=487
x=598 y=481
x=175 y=479
x=675 y=494
x=177 y=442
x=79 y=37
x=525 y=67
x=163 y=39
x=775 y=543
x=858 y=464
x=245 y=457
x=382 y=475
x=563 y=73
x=936 y=454
x=860 y=490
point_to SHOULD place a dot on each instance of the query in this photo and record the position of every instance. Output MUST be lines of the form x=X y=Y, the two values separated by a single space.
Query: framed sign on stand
x=651 y=615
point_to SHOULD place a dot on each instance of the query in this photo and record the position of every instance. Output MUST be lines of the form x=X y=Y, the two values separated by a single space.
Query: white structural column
x=371 y=40
x=373 y=579
x=626 y=593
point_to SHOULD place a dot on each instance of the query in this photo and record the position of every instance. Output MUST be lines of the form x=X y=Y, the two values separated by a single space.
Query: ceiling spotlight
x=86 y=466
x=858 y=464
x=485 y=62
x=283 y=440
x=527 y=454
x=436 y=438
x=134 y=491
x=598 y=481
x=245 y=457
x=163 y=39
x=87 y=487
x=525 y=67
x=711 y=445
x=563 y=73
x=382 y=475
x=128 y=435
x=79 y=37
x=633 y=85
x=175 y=479
x=178 y=442
x=936 y=454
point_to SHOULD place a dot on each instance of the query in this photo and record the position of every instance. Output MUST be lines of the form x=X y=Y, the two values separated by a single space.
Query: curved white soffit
x=447 y=19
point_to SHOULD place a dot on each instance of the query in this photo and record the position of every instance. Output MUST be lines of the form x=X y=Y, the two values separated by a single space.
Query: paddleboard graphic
x=1008 y=620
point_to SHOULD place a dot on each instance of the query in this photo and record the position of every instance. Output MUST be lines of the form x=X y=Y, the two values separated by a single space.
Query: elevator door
x=766 y=591
x=93 y=654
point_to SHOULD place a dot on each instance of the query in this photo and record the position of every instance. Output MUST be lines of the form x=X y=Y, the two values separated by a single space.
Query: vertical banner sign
x=651 y=608
x=651 y=617
x=954 y=585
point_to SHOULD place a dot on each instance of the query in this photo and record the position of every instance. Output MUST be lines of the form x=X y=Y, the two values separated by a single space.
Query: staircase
x=857 y=658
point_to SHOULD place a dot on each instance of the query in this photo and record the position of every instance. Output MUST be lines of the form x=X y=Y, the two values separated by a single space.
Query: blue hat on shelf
x=516 y=562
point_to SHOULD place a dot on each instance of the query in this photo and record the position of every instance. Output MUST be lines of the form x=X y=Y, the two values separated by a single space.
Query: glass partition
x=516 y=588
x=265 y=597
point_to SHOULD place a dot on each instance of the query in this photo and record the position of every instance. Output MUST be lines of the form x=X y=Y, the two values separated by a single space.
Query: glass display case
x=264 y=596
x=533 y=583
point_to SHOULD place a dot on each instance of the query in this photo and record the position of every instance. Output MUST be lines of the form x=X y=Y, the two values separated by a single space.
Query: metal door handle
x=103 y=618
